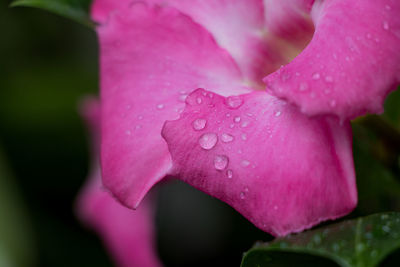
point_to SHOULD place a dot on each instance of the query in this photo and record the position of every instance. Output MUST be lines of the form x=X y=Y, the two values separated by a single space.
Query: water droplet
x=199 y=124
x=232 y=125
x=316 y=76
x=242 y=195
x=182 y=98
x=278 y=113
x=245 y=163
x=128 y=132
x=244 y=124
x=332 y=103
x=199 y=100
x=221 y=162
x=128 y=107
x=237 y=119
x=137 y=127
x=244 y=137
x=160 y=106
x=303 y=86
x=275 y=207
x=140 y=117
x=234 y=102
x=227 y=115
x=208 y=140
x=297 y=74
x=229 y=174
x=329 y=79
x=369 y=36
x=335 y=56
x=226 y=138
x=335 y=247
x=388 y=7
x=386 y=25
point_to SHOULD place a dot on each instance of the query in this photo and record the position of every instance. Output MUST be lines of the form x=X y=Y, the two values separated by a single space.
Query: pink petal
x=239 y=27
x=101 y=9
x=351 y=64
x=151 y=58
x=282 y=170
x=127 y=234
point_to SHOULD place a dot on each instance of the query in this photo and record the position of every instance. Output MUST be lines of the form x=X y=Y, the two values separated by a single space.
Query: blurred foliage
x=16 y=240
x=365 y=242
x=74 y=9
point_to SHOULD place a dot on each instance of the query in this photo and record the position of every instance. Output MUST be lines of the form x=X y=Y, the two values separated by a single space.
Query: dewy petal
x=128 y=235
x=151 y=58
x=282 y=170
x=351 y=64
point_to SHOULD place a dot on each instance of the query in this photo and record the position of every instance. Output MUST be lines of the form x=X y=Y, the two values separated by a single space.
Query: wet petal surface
x=283 y=171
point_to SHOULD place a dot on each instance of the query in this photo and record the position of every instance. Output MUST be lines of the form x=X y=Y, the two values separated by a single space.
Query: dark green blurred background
x=48 y=64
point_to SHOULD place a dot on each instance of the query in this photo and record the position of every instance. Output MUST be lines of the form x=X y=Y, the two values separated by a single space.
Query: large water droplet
x=221 y=162
x=208 y=140
x=199 y=124
x=229 y=174
x=226 y=138
x=234 y=102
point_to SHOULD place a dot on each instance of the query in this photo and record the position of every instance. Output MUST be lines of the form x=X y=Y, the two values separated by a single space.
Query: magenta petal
x=351 y=64
x=151 y=58
x=282 y=170
x=239 y=27
x=128 y=234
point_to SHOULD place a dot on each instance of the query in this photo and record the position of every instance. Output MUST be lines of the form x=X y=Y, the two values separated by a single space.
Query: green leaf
x=361 y=242
x=16 y=245
x=77 y=10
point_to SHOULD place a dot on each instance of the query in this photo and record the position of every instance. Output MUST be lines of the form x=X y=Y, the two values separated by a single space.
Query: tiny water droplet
x=388 y=7
x=245 y=163
x=278 y=113
x=303 y=86
x=199 y=124
x=316 y=76
x=182 y=98
x=234 y=102
x=199 y=100
x=369 y=36
x=140 y=117
x=208 y=140
x=244 y=137
x=332 y=103
x=227 y=115
x=137 y=127
x=297 y=74
x=128 y=132
x=237 y=119
x=226 y=138
x=221 y=162
x=244 y=124
x=275 y=207
x=386 y=228
x=329 y=79
x=386 y=25
x=160 y=106
x=242 y=195
x=229 y=174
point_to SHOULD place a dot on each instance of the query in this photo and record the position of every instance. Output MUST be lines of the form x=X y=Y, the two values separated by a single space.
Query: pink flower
x=283 y=170
x=127 y=234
